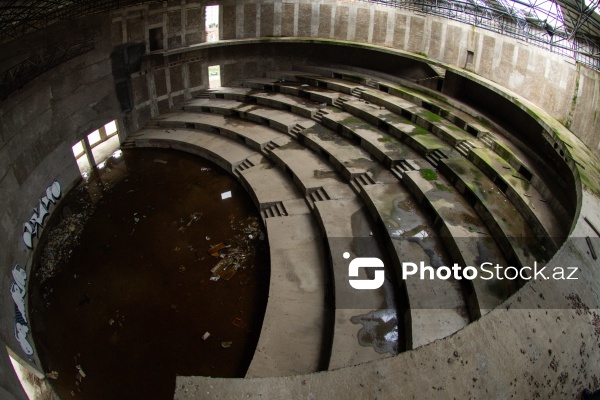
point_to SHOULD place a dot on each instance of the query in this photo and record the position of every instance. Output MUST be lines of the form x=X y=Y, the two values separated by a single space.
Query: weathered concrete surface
x=308 y=170
x=269 y=185
x=436 y=307
x=507 y=225
x=465 y=236
x=345 y=224
x=382 y=146
x=39 y=123
x=255 y=135
x=292 y=337
x=281 y=120
x=222 y=151
x=524 y=69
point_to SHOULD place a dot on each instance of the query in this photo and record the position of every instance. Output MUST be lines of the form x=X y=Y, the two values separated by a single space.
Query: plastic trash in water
x=215 y=278
x=206 y=335
x=52 y=375
x=225 y=195
x=226 y=345
x=214 y=250
x=80 y=371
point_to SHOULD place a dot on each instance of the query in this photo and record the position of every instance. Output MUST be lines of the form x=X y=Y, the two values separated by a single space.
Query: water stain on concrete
x=380 y=330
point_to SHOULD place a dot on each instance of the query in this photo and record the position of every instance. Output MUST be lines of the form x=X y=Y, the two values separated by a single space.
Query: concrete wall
x=38 y=125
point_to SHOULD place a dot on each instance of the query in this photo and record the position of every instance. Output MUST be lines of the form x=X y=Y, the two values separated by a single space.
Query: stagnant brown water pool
x=121 y=297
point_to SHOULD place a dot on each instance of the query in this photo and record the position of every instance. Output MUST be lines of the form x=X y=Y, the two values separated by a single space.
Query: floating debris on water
x=239 y=248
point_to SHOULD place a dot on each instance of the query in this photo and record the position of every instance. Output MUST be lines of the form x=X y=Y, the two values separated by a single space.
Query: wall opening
x=155 y=38
x=211 y=23
x=214 y=76
x=470 y=56
x=96 y=148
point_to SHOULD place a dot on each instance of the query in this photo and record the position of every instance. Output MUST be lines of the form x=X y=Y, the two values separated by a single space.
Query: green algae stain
x=443 y=187
x=429 y=174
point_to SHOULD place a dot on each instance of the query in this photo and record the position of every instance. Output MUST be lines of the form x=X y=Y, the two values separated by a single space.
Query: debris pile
x=238 y=251
x=61 y=240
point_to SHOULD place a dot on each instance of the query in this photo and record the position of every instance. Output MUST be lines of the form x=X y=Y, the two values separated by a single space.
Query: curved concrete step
x=349 y=159
x=269 y=186
x=366 y=321
x=224 y=152
x=255 y=136
x=390 y=94
x=531 y=204
x=509 y=228
x=293 y=338
x=465 y=235
x=283 y=121
x=437 y=308
x=386 y=148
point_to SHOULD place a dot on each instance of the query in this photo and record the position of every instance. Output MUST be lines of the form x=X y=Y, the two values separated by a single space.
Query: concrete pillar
x=102 y=132
x=121 y=131
x=88 y=152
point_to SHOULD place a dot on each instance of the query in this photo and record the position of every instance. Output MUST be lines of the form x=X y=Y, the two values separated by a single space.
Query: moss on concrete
x=443 y=187
x=352 y=120
x=386 y=139
x=429 y=174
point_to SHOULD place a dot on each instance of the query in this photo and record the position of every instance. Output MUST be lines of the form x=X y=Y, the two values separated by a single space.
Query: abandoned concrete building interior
x=300 y=199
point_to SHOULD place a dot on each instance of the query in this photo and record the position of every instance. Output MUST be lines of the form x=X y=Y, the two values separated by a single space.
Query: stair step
x=244 y=165
x=438 y=154
x=128 y=145
x=463 y=148
x=281 y=209
x=276 y=210
x=318 y=116
x=487 y=139
x=372 y=83
x=432 y=160
x=269 y=147
x=398 y=172
x=317 y=195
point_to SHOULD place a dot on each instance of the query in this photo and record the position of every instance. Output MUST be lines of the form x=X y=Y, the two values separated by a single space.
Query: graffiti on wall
x=35 y=224
x=18 y=288
x=18 y=291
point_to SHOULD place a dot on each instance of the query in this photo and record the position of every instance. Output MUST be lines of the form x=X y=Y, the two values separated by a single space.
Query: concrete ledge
x=465 y=236
x=347 y=158
x=224 y=152
x=508 y=227
x=346 y=227
x=436 y=307
x=535 y=209
x=293 y=338
x=255 y=136
x=384 y=147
